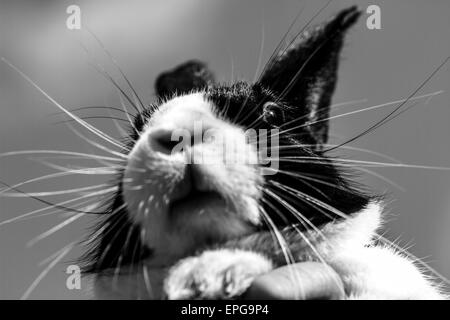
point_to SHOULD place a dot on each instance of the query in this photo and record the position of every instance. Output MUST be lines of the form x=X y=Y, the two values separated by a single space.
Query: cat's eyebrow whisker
x=122 y=104
x=138 y=104
x=51 y=265
x=116 y=64
x=297 y=35
x=261 y=50
x=280 y=43
x=97 y=66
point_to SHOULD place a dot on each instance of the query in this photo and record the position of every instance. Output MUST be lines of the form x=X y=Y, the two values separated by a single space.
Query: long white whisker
x=60 y=192
x=300 y=217
x=54 y=229
x=369 y=163
x=78 y=154
x=41 y=276
x=31 y=213
x=359 y=111
x=74 y=117
x=97 y=145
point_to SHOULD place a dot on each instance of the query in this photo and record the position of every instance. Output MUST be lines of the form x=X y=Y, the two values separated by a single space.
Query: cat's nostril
x=172 y=141
x=162 y=141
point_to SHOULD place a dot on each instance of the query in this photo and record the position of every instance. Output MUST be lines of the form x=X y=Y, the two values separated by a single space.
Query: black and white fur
x=200 y=231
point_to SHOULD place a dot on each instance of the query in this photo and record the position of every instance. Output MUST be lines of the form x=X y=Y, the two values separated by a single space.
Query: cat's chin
x=197 y=203
x=206 y=217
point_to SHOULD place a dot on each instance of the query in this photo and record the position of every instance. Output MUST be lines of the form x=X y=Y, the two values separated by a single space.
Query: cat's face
x=193 y=178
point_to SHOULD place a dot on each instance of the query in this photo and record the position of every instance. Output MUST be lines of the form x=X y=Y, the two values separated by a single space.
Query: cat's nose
x=170 y=141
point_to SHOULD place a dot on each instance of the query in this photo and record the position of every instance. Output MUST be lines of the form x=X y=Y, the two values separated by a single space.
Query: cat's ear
x=191 y=75
x=305 y=74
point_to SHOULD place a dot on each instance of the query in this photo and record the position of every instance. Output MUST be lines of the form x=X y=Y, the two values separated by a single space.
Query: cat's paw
x=218 y=274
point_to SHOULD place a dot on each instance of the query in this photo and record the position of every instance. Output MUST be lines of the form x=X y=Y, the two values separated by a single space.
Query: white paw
x=218 y=274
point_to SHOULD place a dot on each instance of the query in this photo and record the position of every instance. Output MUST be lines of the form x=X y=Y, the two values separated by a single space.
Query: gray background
x=147 y=37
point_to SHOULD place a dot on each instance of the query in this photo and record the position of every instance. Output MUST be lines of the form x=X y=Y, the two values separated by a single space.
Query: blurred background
x=147 y=37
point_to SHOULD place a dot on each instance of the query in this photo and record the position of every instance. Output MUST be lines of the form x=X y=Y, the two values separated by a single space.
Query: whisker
x=56 y=205
x=302 y=220
x=81 y=122
x=387 y=117
x=116 y=65
x=283 y=246
x=369 y=163
x=70 y=153
x=107 y=76
x=90 y=108
x=92 y=117
x=51 y=231
x=53 y=193
x=98 y=145
x=31 y=213
x=42 y=275
x=412 y=98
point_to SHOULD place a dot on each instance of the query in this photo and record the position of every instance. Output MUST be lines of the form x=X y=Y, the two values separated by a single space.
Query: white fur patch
x=218 y=274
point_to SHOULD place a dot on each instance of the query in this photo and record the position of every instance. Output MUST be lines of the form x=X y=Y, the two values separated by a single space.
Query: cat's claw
x=219 y=274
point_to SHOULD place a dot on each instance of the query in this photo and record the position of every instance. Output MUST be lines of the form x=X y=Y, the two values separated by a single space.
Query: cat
x=179 y=229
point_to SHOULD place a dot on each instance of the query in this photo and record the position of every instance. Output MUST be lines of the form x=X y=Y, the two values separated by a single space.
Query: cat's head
x=193 y=177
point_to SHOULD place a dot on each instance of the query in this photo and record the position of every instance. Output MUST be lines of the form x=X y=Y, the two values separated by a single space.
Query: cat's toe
x=219 y=274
